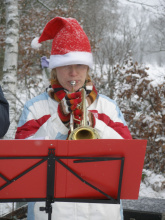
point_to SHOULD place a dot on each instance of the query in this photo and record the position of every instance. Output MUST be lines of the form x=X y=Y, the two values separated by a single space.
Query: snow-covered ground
x=153 y=185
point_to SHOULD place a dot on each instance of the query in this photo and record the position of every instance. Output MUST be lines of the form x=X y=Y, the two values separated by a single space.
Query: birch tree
x=9 y=81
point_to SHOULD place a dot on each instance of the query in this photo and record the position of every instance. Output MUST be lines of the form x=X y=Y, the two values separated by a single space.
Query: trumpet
x=83 y=131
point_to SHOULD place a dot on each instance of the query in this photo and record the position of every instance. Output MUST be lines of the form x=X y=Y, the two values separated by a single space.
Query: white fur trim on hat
x=35 y=44
x=71 y=58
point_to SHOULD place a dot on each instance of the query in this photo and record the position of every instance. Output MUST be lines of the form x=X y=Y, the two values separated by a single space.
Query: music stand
x=106 y=171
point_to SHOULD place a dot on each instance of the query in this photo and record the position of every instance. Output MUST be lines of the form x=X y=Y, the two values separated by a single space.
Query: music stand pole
x=50 y=183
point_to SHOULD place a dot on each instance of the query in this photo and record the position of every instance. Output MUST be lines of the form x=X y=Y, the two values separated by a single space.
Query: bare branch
x=44 y=5
x=141 y=3
x=18 y=99
x=156 y=51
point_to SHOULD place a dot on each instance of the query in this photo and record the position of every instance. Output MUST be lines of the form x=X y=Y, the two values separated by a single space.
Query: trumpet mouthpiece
x=73 y=83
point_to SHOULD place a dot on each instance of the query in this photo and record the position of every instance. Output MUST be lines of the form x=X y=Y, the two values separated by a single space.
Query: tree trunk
x=10 y=62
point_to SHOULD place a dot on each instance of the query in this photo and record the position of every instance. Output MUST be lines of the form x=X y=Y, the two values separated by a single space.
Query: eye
x=81 y=66
x=68 y=67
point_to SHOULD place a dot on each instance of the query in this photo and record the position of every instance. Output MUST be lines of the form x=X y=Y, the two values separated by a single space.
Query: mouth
x=75 y=82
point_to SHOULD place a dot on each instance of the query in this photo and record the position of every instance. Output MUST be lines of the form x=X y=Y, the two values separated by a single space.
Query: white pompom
x=35 y=44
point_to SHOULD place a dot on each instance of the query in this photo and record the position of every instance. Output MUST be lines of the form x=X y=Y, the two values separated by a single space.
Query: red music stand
x=55 y=170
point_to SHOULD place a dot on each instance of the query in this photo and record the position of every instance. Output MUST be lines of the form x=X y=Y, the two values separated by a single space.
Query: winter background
x=128 y=43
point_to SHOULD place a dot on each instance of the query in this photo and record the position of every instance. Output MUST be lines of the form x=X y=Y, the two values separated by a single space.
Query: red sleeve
x=30 y=127
x=119 y=127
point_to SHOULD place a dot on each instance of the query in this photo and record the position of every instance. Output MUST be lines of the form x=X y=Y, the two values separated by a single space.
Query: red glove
x=77 y=116
x=70 y=101
x=68 y=104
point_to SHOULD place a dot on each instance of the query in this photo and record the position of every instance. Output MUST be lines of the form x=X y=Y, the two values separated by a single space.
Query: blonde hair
x=53 y=74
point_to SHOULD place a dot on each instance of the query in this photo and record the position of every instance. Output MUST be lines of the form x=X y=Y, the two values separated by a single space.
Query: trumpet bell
x=85 y=132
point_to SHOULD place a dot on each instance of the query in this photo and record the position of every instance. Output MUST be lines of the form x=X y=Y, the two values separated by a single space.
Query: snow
x=9 y=40
x=162 y=138
x=156 y=74
x=5 y=208
x=11 y=31
x=153 y=185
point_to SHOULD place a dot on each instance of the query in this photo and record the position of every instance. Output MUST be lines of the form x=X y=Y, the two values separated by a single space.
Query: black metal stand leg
x=50 y=183
x=50 y=214
x=47 y=209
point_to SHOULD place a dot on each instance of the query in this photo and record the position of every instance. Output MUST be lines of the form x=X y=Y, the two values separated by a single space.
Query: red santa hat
x=70 y=43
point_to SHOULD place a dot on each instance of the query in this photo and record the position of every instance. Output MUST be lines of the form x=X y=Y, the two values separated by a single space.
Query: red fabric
x=62 y=31
x=119 y=127
x=30 y=127
x=60 y=94
x=64 y=118
x=72 y=107
x=57 y=85
x=73 y=99
x=74 y=95
x=77 y=112
x=77 y=119
x=77 y=115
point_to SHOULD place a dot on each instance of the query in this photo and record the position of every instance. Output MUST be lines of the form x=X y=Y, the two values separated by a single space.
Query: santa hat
x=70 y=43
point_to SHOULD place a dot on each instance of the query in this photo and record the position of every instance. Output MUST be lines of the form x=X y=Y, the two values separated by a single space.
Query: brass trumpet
x=83 y=131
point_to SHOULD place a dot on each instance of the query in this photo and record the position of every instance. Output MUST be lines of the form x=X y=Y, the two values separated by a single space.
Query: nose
x=73 y=71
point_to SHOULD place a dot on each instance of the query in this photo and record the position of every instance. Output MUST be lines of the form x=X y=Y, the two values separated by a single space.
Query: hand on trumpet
x=70 y=103
x=78 y=114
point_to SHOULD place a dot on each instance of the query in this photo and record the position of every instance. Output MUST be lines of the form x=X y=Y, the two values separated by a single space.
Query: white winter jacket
x=40 y=120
